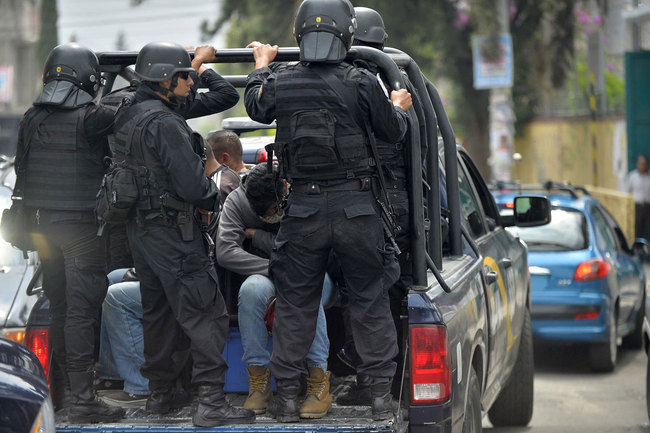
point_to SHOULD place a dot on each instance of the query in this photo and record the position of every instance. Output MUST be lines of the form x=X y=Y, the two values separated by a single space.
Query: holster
x=185 y=224
x=184 y=217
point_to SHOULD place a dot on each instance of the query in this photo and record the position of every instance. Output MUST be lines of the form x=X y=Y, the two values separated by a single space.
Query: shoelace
x=315 y=387
x=258 y=383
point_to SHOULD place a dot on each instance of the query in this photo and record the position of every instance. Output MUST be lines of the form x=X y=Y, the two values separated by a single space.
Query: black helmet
x=370 y=27
x=324 y=30
x=74 y=63
x=71 y=76
x=159 y=61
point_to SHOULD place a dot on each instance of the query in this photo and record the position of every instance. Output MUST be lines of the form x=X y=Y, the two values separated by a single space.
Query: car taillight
x=591 y=270
x=430 y=373
x=38 y=341
x=587 y=315
x=261 y=156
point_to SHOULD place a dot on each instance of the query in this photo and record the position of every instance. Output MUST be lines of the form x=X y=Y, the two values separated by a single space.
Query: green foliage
x=437 y=35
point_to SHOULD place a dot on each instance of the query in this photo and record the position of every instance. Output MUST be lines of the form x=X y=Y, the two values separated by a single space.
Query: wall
x=582 y=152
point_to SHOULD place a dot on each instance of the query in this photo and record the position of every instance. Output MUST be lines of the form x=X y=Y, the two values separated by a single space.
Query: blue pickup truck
x=468 y=343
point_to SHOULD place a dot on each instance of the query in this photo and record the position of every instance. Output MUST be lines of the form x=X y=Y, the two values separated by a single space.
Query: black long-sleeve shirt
x=220 y=96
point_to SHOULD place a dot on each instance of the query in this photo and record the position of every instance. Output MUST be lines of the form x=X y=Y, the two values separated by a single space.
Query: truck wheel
x=472 y=419
x=635 y=339
x=602 y=356
x=514 y=406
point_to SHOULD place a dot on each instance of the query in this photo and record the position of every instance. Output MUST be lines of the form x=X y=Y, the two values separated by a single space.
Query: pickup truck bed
x=341 y=419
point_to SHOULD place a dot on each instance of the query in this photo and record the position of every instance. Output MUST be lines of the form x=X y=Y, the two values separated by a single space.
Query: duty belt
x=396 y=184
x=362 y=184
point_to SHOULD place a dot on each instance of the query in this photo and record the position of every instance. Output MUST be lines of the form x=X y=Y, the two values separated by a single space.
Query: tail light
x=587 y=315
x=38 y=341
x=591 y=270
x=261 y=156
x=430 y=373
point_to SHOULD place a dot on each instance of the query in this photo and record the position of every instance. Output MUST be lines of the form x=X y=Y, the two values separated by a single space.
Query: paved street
x=570 y=398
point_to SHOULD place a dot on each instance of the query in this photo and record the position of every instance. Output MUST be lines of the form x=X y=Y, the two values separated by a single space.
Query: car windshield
x=567 y=231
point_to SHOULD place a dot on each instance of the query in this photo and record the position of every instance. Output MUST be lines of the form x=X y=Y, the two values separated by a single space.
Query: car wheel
x=602 y=356
x=472 y=419
x=635 y=339
x=514 y=406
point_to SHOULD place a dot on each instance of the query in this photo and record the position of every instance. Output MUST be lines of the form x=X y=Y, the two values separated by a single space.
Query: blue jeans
x=255 y=294
x=121 y=351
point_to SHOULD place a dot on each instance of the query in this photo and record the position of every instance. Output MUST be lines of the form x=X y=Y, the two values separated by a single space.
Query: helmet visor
x=321 y=47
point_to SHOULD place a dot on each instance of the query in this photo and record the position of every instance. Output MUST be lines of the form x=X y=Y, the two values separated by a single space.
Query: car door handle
x=491 y=277
x=506 y=262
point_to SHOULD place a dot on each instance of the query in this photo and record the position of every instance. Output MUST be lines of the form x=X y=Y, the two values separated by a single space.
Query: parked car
x=25 y=404
x=588 y=283
x=253 y=151
x=16 y=270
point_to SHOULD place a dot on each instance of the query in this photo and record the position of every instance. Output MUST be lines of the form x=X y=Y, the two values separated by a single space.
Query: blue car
x=25 y=404
x=587 y=282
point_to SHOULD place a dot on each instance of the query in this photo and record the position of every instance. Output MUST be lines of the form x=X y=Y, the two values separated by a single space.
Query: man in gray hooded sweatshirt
x=245 y=237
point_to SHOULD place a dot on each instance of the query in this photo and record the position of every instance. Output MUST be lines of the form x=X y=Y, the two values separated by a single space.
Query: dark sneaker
x=348 y=356
x=108 y=385
x=124 y=399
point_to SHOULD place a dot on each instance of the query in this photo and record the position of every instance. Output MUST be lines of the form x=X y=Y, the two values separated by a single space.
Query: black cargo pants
x=178 y=283
x=74 y=280
x=347 y=222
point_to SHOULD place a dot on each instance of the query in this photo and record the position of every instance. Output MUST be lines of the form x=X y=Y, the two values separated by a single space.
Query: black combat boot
x=215 y=410
x=86 y=408
x=167 y=398
x=284 y=406
x=383 y=407
x=356 y=395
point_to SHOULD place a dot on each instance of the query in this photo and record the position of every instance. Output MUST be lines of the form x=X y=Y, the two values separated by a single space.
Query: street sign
x=492 y=73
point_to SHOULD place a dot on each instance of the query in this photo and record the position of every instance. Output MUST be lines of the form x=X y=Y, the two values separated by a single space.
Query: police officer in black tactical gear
x=371 y=32
x=61 y=147
x=326 y=157
x=178 y=281
x=218 y=97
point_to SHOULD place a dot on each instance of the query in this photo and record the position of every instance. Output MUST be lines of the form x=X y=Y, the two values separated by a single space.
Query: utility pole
x=502 y=117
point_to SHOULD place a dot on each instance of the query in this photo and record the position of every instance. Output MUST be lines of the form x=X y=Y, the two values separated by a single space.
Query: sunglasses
x=184 y=75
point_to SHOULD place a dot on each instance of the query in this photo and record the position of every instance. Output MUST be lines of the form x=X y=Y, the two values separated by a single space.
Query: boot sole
x=199 y=421
x=315 y=415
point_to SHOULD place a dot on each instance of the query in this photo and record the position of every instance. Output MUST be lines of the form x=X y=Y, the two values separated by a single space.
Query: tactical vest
x=127 y=145
x=317 y=138
x=63 y=169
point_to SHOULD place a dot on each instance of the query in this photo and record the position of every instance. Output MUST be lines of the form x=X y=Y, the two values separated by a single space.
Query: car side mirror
x=530 y=211
x=641 y=248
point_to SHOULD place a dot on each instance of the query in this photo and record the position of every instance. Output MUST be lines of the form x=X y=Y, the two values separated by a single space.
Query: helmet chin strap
x=169 y=92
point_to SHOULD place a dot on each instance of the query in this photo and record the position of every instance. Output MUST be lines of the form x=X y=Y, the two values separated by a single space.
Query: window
x=567 y=231
x=469 y=207
x=604 y=231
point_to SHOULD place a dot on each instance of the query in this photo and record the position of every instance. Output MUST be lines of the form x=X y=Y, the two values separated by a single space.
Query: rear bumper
x=554 y=317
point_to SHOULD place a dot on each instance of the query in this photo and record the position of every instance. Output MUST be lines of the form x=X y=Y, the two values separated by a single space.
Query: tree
x=437 y=34
x=48 y=38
